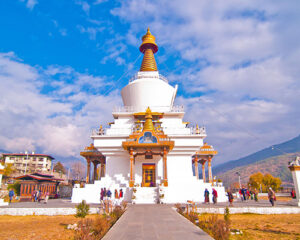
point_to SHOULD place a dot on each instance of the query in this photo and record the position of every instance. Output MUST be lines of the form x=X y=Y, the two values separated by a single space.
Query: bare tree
x=78 y=170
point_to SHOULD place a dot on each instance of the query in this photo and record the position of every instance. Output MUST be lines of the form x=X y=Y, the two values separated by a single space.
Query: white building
x=28 y=162
x=149 y=151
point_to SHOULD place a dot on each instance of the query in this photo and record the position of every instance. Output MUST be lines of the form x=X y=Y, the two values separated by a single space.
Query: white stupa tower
x=148 y=151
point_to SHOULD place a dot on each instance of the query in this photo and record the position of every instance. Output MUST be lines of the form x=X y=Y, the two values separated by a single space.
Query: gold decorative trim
x=294 y=168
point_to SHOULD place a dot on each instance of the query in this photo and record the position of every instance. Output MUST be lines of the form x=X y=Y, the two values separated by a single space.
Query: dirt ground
x=255 y=226
x=36 y=227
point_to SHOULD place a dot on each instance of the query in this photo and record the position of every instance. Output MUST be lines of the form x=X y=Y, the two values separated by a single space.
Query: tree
x=255 y=180
x=59 y=167
x=234 y=186
x=265 y=181
x=78 y=170
x=270 y=181
x=9 y=170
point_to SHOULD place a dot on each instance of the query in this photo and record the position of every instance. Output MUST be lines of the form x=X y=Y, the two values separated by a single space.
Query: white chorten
x=148 y=151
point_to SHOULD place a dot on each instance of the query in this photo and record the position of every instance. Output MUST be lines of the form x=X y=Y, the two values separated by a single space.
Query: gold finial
x=148 y=125
x=148 y=47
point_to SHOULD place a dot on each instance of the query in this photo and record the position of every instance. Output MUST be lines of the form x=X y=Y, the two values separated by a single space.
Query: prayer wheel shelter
x=37 y=181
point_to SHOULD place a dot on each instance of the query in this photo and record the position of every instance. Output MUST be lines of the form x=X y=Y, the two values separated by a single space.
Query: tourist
x=46 y=197
x=293 y=193
x=244 y=193
x=33 y=196
x=121 y=194
x=116 y=197
x=241 y=195
x=271 y=196
x=247 y=194
x=230 y=197
x=206 y=196
x=11 y=195
x=104 y=193
x=101 y=196
x=108 y=194
x=39 y=196
x=215 y=195
x=36 y=195
x=255 y=195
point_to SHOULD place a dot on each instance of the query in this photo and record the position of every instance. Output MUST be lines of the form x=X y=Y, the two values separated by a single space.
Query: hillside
x=277 y=166
x=291 y=146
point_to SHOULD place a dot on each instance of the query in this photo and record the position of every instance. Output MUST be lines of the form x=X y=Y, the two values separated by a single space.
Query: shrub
x=227 y=216
x=215 y=227
x=179 y=208
x=192 y=216
x=117 y=212
x=124 y=205
x=100 y=227
x=82 y=209
x=16 y=187
x=84 y=230
x=96 y=229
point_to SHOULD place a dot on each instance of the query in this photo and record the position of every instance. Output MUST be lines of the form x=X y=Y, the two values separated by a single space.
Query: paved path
x=153 y=222
x=66 y=203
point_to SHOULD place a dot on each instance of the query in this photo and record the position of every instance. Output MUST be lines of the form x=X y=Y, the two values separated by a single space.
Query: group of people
x=214 y=194
x=37 y=196
x=107 y=195
x=246 y=194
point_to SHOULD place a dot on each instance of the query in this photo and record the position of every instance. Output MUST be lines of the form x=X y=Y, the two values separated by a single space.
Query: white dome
x=149 y=89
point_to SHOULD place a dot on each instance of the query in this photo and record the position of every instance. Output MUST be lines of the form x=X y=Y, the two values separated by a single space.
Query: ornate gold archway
x=148 y=141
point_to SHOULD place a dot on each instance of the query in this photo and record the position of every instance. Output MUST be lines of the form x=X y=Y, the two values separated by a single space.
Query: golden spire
x=148 y=125
x=148 y=47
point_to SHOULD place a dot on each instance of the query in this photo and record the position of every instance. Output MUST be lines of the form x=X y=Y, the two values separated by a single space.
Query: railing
x=139 y=76
x=133 y=109
x=126 y=131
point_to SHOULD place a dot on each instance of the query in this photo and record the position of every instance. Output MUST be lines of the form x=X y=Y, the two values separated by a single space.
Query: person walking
x=108 y=194
x=206 y=196
x=215 y=195
x=271 y=196
x=241 y=195
x=101 y=196
x=120 y=195
x=255 y=195
x=117 y=197
x=104 y=194
x=293 y=193
x=11 y=195
x=39 y=196
x=36 y=196
x=244 y=193
x=46 y=197
x=230 y=197
x=32 y=195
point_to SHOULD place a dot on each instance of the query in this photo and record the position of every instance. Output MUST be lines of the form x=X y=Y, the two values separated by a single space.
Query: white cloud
x=85 y=6
x=91 y=31
x=58 y=123
x=241 y=57
x=30 y=3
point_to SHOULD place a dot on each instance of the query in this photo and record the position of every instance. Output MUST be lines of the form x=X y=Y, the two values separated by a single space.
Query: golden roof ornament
x=148 y=48
x=148 y=125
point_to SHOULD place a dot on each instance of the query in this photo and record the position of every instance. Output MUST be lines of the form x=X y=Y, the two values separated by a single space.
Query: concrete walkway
x=153 y=222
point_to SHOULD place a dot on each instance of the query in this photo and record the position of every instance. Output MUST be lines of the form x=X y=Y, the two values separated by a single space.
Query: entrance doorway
x=148 y=175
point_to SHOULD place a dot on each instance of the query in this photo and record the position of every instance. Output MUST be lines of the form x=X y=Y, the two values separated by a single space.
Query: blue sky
x=63 y=64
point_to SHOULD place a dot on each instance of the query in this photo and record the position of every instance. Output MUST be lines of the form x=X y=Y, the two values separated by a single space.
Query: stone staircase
x=146 y=195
